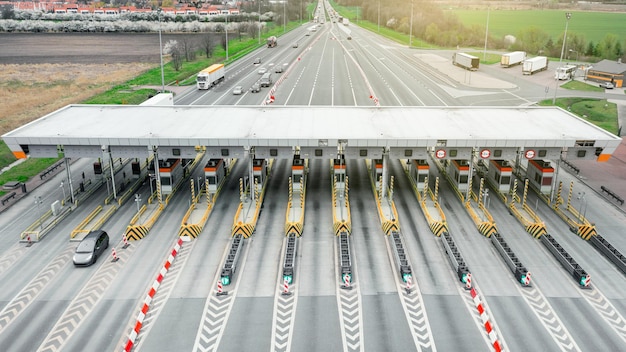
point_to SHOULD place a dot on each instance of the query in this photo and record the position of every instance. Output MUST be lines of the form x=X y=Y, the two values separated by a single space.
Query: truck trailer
x=272 y=42
x=536 y=64
x=466 y=61
x=512 y=59
x=210 y=76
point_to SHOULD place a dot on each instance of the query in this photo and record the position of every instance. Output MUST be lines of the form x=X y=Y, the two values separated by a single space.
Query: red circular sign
x=529 y=154
x=440 y=153
x=485 y=153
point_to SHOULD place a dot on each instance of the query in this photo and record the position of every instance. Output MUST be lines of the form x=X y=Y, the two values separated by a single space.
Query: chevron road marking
x=606 y=310
x=84 y=302
x=284 y=310
x=161 y=296
x=217 y=309
x=11 y=256
x=542 y=309
x=23 y=299
x=349 y=303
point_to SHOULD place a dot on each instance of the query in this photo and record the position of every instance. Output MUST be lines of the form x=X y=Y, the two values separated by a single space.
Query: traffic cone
x=29 y=242
x=115 y=258
x=126 y=244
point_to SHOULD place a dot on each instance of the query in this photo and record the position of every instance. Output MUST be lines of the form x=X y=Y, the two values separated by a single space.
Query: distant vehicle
x=295 y=45
x=345 y=21
x=565 y=72
x=210 y=76
x=607 y=85
x=266 y=80
x=512 y=59
x=272 y=42
x=536 y=64
x=262 y=70
x=238 y=90
x=255 y=88
x=349 y=38
x=466 y=61
x=256 y=61
x=279 y=69
x=90 y=248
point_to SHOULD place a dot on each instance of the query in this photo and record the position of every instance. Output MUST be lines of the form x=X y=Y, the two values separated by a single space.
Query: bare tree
x=176 y=53
x=207 y=44
x=188 y=48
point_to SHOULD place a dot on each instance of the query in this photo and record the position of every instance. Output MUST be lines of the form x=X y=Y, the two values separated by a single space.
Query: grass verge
x=597 y=111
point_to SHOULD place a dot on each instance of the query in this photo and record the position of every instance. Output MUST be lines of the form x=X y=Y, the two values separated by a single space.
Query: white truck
x=512 y=59
x=346 y=21
x=210 y=76
x=536 y=64
x=565 y=72
x=466 y=61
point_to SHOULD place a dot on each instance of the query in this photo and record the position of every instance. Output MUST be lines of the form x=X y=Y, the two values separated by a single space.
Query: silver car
x=238 y=90
x=90 y=248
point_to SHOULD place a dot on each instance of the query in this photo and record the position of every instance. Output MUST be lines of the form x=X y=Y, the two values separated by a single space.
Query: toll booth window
x=421 y=178
x=257 y=180
x=273 y=152
x=538 y=178
x=341 y=178
x=581 y=153
x=318 y=152
x=166 y=181
x=297 y=178
x=547 y=181
x=212 y=180
x=176 y=151
x=463 y=179
x=497 y=153
x=408 y=152
x=453 y=153
x=542 y=153
x=505 y=180
x=224 y=152
x=363 y=152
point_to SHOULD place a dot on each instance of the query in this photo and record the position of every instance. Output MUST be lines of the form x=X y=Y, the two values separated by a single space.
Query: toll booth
x=540 y=174
x=500 y=173
x=259 y=171
x=419 y=169
x=297 y=173
x=214 y=172
x=377 y=171
x=458 y=170
x=136 y=169
x=339 y=171
x=170 y=172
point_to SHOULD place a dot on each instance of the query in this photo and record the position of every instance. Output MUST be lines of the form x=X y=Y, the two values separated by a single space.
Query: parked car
x=238 y=90
x=255 y=88
x=256 y=61
x=262 y=70
x=607 y=85
x=90 y=248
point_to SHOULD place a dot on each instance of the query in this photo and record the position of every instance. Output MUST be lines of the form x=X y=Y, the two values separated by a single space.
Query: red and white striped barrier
x=220 y=289
x=493 y=336
x=146 y=303
x=468 y=281
x=527 y=279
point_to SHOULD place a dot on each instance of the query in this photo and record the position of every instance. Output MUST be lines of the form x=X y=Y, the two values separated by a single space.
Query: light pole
x=227 y=34
x=161 y=52
x=152 y=177
x=568 y=15
x=284 y=16
x=411 y=26
x=38 y=202
x=259 y=22
x=63 y=188
x=573 y=51
x=137 y=201
x=378 y=16
x=581 y=197
x=486 y=36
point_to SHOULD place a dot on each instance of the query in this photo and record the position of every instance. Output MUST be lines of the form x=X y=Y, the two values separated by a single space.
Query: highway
x=47 y=304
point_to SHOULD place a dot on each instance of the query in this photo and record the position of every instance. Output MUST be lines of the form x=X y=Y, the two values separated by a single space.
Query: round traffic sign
x=485 y=153
x=440 y=153
x=529 y=154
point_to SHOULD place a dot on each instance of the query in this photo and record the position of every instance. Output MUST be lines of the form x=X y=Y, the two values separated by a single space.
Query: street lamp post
x=411 y=26
x=152 y=177
x=63 y=188
x=38 y=202
x=486 y=36
x=568 y=15
x=378 y=16
x=226 y=30
x=573 y=51
x=581 y=211
x=161 y=53
x=259 y=22
x=137 y=201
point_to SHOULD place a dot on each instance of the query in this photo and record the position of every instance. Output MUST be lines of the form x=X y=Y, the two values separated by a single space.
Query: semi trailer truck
x=466 y=61
x=536 y=64
x=512 y=59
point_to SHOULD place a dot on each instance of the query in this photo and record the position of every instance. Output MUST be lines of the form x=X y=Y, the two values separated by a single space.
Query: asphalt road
x=43 y=299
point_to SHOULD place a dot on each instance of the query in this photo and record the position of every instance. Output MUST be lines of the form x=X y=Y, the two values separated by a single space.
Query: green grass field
x=592 y=25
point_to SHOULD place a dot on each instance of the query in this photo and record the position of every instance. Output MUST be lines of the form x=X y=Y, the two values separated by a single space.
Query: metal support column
x=385 y=186
x=155 y=160
x=251 y=183
x=69 y=178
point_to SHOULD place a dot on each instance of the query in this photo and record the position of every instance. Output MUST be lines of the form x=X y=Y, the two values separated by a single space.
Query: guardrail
x=456 y=259
x=515 y=265
x=568 y=263
x=609 y=251
x=571 y=166
x=50 y=169
x=8 y=197
x=612 y=194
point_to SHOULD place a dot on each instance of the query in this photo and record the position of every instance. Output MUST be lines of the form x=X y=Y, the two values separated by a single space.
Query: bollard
x=115 y=258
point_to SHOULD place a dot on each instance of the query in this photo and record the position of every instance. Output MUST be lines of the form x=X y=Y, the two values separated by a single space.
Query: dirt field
x=40 y=73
